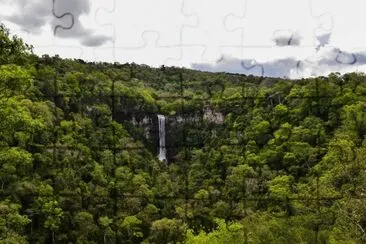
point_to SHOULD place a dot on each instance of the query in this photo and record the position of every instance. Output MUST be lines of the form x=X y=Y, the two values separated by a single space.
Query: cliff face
x=181 y=129
x=213 y=116
x=146 y=123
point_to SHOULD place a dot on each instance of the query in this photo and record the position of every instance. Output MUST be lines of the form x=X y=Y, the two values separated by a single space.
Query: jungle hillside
x=248 y=159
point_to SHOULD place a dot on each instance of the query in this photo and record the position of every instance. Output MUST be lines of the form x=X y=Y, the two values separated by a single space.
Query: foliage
x=250 y=159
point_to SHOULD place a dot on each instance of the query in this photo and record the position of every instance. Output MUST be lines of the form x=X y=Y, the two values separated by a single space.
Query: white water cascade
x=162 y=149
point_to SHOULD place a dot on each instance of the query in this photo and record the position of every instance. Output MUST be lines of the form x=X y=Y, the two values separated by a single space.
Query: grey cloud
x=323 y=63
x=286 y=38
x=278 y=68
x=64 y=19
x=95 y=41
x=30 y=23
x=346 y=58
x=66 y=14
x=31 y=15
x=323 y=40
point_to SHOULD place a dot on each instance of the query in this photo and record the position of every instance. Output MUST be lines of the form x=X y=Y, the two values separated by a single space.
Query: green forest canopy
x=286 y=166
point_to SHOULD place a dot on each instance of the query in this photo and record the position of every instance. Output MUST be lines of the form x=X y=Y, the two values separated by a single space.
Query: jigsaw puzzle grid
x=232 y=17
x=201 y=31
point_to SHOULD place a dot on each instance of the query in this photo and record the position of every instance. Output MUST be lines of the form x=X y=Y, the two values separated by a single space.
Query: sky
x=281 y=38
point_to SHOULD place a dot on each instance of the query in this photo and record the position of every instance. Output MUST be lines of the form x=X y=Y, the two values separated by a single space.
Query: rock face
x=174 y=127
x=207 y=115
x=146 y=123
x=212 y=116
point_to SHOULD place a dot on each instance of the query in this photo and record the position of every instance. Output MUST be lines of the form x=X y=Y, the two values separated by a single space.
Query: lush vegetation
x=287 y=165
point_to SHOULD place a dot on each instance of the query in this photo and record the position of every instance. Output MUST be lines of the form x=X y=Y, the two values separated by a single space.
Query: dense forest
x=249 y=159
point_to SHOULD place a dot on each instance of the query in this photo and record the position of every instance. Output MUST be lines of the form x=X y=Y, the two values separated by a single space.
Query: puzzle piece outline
x=60 y=17
x=208 y=49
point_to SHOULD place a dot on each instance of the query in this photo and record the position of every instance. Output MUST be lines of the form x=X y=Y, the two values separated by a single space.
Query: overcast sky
x=278 y=38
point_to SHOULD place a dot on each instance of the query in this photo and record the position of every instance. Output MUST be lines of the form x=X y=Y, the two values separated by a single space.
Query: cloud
x=95 y=41
x=286 y=38
x=323 y=40
x=63 y=17
x=322 y=63
x=30 y=15
x=28 y=22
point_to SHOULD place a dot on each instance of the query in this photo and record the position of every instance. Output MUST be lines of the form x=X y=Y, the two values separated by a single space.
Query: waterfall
x=162 y=149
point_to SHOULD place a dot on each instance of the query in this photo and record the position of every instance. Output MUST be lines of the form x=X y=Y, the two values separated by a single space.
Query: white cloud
x=325 y=61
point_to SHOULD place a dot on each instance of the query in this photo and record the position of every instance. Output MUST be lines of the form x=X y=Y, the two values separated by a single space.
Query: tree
x=12 y=50
x=12 y=223
x=167 y=231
